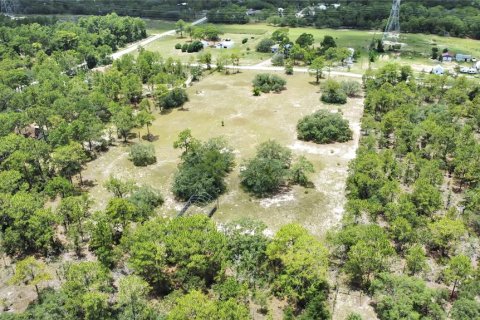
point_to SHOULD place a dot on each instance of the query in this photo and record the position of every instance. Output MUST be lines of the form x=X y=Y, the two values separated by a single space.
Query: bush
x=351 y=88
x=333 y=93
x=268 y=170
x=195 y=46
x=265 y=45
x=324 y=127
x=142 y=154
x=278 y=60
x=269 y=82
x=174 y=98
x=185 y=47
x=245 y=40
x=178 y=46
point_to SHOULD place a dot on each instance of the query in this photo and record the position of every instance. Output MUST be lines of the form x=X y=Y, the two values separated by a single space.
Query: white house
x=225 y=44
x=447 y=56
x=463 y=57
x=438 y=69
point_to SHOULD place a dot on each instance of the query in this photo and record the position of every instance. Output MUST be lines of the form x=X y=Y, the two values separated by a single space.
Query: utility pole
x=392 y=31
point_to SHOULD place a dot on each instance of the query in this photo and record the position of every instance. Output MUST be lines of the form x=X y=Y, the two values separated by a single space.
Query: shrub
x=185 y=47
x=245 y=40
x=203 y=169
x=178 y=46
x=142 y=154
x=265 y=45
x=269 y=82
x=256 y=91
x=324 y=127
x=278 y=60
x=351 y=88
x=195 y=46
x=289 y=67
x=333 y=93
x=174 y=98
x=268 y=170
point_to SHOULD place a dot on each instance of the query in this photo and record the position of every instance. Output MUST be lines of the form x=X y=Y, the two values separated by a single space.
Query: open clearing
x=248 y=121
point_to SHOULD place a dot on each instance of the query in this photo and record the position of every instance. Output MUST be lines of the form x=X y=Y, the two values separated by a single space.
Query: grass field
x=248 y=122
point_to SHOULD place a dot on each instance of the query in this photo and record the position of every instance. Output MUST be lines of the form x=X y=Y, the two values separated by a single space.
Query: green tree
x=402 y=297
x=333 y=93
x=465 y=309
x=246 y=245
x=124 y=121
x=121 y=211
x=445 y=233
x=180 y=27
x=30 y=271
x=299 y=263
x=299 y=171
x=459 y=269
x=132 y=297
x=69 y=159
x=316 y=68
x=118 y=187
x=305 y=40
x=268 y=170
x=416 y=260
x=145 y=118
x=203 y=168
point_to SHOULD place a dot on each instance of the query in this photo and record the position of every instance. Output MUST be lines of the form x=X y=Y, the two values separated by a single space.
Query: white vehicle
x=464 y=69
x=472 y=71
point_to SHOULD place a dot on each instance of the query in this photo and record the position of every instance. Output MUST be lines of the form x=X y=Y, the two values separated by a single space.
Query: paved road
x=134 y=46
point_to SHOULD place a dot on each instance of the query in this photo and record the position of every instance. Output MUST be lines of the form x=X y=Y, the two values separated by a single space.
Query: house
x=447 y=56
x=477 y=65
x=205 y=43
x=322 y=7
x=463 y=57
x=336 y=5
x=438 y=69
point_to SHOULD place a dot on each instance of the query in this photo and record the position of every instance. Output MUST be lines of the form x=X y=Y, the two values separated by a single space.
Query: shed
x=447 y=56
x=463 y=57
x=438 y=69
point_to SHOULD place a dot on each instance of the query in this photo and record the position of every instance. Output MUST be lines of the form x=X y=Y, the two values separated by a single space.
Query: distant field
x=416 y=53
x=248 y=121
x=158 y=26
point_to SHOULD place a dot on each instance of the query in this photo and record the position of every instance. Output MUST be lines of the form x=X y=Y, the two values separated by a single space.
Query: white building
x=225 y=44
x=438 y=69
x=477 y=65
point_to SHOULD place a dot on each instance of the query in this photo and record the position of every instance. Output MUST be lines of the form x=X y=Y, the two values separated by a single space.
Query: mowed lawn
x=248 y=121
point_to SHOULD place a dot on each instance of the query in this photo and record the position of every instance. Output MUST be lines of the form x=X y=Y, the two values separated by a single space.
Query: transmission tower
x=8 y=7
x=392 y=31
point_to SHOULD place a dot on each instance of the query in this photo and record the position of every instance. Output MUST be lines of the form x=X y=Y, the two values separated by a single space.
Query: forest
x=454 y=18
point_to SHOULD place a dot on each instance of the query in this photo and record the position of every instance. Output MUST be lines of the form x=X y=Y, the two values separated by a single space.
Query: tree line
x=412 y=196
